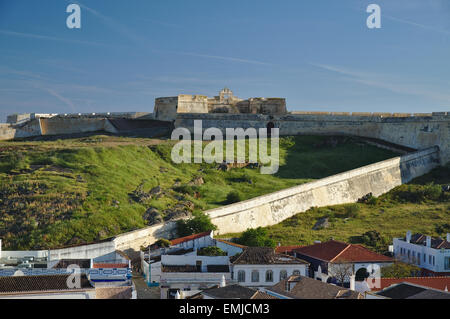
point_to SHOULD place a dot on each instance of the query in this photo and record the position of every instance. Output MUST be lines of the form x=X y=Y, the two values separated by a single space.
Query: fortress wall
x=418 y=132
x=342 y=188
x=6 y=132
x=166 y=108
x=145 y=236
x=192 y=104
x=73 y=125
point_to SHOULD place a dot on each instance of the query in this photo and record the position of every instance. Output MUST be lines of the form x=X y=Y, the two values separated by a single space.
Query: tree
x=341 y=270
x=399 y=270
x=256 y=238
x=198 y=223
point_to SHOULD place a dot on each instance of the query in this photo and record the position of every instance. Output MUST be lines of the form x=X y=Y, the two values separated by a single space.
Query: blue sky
x=318 y=54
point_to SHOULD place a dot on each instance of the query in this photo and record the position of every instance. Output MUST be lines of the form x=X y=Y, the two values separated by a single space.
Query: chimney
x=408 y=236
x=428 y=241
x=448 y=239
x=352 y=282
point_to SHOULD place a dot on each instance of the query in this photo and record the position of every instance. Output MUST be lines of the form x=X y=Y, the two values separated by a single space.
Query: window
x=269 y=276
x=433 y=260
x=447 y=263
x=418 y=258
x=255 y=276
x=424 y=258
x=429 y=259
x=296 y=272
x=283 y=275
x=241 y=276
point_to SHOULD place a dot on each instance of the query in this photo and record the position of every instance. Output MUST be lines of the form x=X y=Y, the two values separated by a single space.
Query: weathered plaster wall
x=342 y=188
x=166 y=108
x=192 y=104
x=73 y=125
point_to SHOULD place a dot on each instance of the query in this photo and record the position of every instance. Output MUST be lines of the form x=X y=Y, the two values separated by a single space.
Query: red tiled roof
x=361 y=254
x=333 y=251
x=440 y=283
x=324 y=251
x=286 y=249
x=106 y=265
x=188 y=238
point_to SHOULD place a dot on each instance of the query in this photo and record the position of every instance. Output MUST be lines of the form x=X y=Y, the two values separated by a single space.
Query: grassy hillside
x=420 y=206
x=60 y=192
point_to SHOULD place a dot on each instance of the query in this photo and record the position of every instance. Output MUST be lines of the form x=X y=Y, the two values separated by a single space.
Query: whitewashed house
x=263 y=267
x=431 y=254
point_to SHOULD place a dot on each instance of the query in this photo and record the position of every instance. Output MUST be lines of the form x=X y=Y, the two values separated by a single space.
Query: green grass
x=59 y=192
x=392 y=215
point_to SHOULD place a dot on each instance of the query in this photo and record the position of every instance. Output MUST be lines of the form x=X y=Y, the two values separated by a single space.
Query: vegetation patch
x=60 y=192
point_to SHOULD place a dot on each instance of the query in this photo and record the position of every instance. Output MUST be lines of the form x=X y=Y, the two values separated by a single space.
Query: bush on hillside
x=256 y=237
x=417 y=193
x=198 y=223
x=233 y=197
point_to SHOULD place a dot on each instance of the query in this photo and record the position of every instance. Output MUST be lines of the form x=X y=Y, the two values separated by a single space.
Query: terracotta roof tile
x=309 y=288
x=440 y=283
x=17 y=284
x=333 y=250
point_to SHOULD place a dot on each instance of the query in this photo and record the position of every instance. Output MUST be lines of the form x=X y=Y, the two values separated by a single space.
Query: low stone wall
x=342 y=188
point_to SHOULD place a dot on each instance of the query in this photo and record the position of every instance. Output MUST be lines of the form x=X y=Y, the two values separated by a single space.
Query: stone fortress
x=167 y=108
x=424 y=136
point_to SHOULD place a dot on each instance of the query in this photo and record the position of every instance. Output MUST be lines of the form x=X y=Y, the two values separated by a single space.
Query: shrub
x=256 y=237
x=233 y=197
x=186 y=189
x=417 y=193
x=198 y=223
x=211 y=251
x=162 y=242
x=349 y=211
x=373 y=201
x=399 y=270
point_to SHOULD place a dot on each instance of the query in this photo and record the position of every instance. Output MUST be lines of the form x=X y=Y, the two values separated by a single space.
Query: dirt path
x=143 y=291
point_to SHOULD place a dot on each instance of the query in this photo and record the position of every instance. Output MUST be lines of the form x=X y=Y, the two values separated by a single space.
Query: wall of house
x=182 y=260
x=342 y=188
x=439 y=255
x=262 y=273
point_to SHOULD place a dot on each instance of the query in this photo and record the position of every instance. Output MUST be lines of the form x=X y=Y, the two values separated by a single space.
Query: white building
x=191 y=273
x=263 y=267
x=430 y=254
